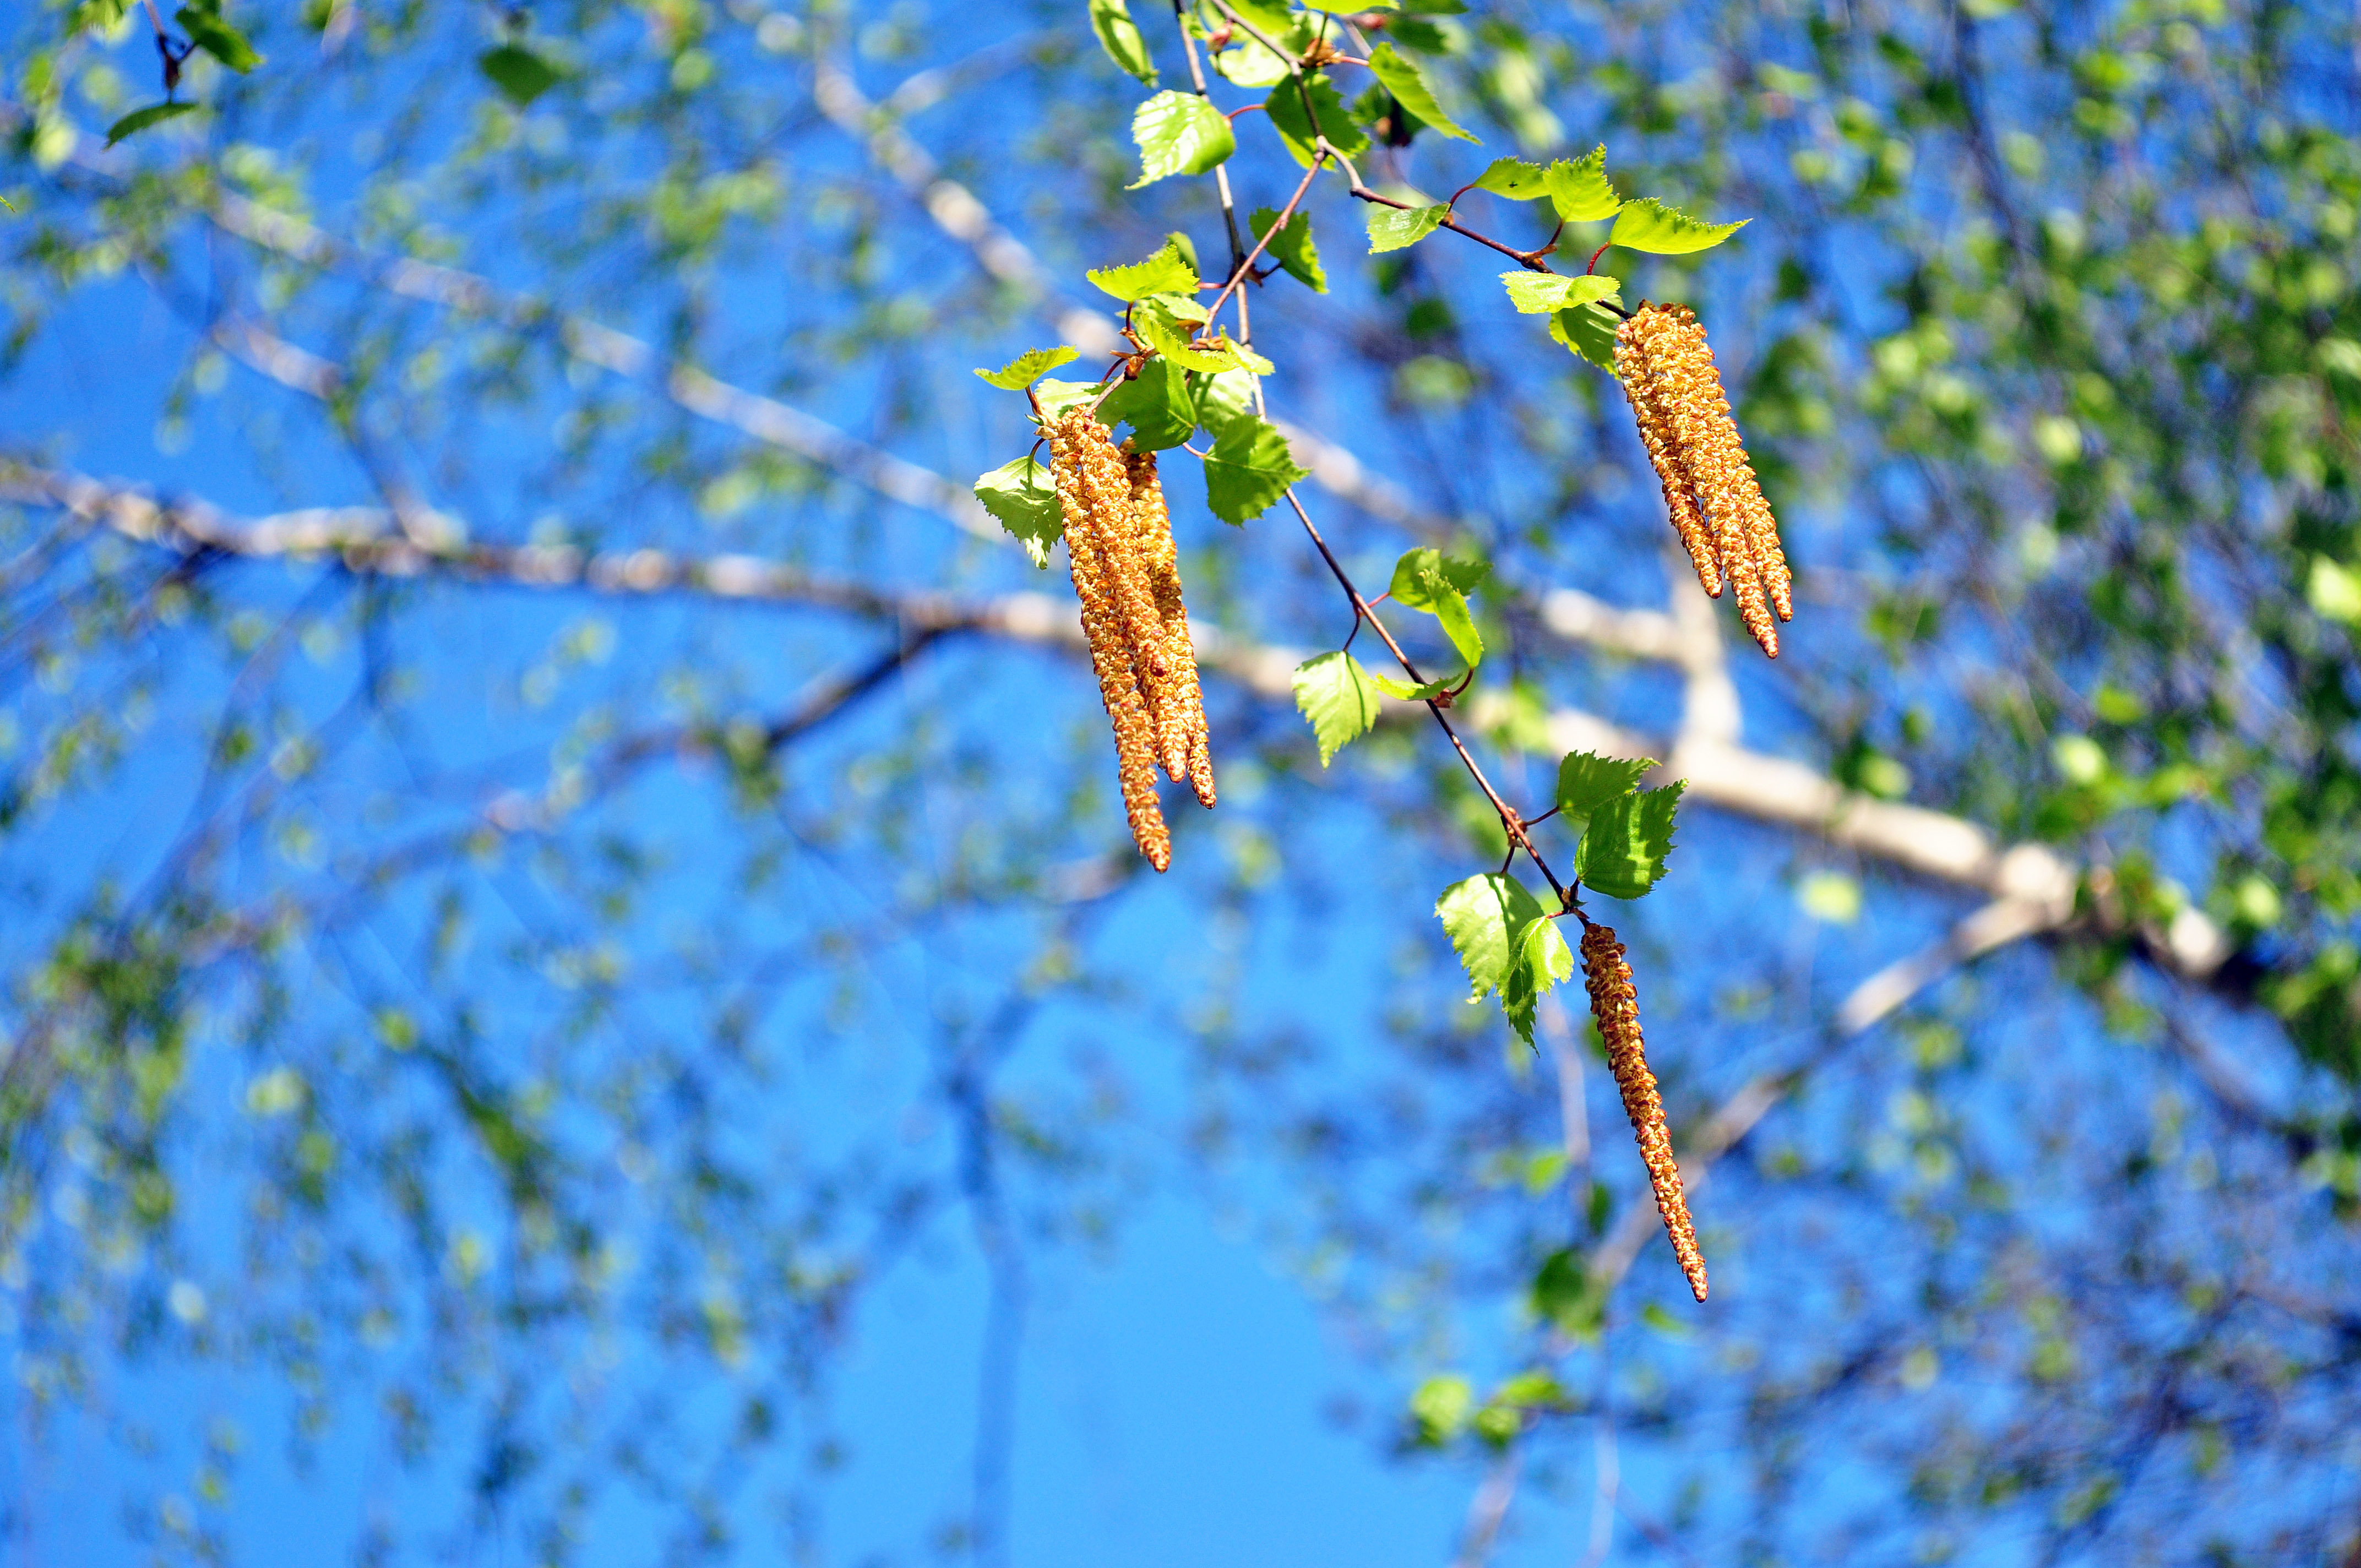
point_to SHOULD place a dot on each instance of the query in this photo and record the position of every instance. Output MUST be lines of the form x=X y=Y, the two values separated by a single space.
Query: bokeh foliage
x=416 y=983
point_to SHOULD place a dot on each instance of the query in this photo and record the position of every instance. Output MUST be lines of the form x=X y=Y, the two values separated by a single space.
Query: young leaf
x=1579 y=190
x=206 y=30
x=1028 y=367
x=1111 y=20
x=139 y=120
x=1393 y=228
x=1481 y=915
x=1586 y=780
x=1422 y=691
x=1179 y=133
x=1423 y=580
x=1247 y=63
x=1541 y=294
x=1285 y=108
x=1339 y=697
x=1623 y=848
x=1588 y=331
x=1241 y=356
x=1221 y=399
x=1056 y=397
x=1249 y=468
x=1539 y=959
x=1024 y=499
x=1648 y=225
x=1155 y=323
x=520 y=74
x=1156 y=404
x=1292 y=249
x=1515 y=178
x=1168 y=271
x=1408 y=84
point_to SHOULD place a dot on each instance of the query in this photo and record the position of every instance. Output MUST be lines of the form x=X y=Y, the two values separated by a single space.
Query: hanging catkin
x=1095 y=494
x=1709 y=484
x=1616 y=1006
x=1180 y=716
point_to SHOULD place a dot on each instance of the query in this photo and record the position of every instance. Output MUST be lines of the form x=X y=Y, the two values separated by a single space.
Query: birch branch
x=1720 y=773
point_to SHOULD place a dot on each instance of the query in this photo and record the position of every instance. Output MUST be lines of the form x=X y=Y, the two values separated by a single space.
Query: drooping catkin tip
x=1615 y=1005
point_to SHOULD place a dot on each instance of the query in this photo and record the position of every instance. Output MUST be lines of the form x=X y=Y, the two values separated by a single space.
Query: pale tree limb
x=1719 y=774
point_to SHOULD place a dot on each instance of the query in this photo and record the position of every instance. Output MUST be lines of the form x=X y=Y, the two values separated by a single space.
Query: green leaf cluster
x=1506 y=942
x=1627 y=832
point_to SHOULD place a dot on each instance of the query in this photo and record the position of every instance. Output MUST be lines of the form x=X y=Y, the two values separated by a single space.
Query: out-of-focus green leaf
x=139 y=120
x=522 y=74
x=1111 y=20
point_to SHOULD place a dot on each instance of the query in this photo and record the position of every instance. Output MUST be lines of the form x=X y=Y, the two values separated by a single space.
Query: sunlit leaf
x=1023 y=498
x=1579 y=191
x=1179 y=133
x=1029 y=366
x=1340 y=699
x=1111 y=20
x=1648 y=225
x=1393 y=228
x=1624 y=847
x=1249 y=468
x=1541 y=294
x=1169 y=271
x=1408 y=84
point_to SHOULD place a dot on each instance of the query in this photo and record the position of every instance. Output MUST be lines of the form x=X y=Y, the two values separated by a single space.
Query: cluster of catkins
x=1709 y=485
x=1128 y=574
x=1616 y=1006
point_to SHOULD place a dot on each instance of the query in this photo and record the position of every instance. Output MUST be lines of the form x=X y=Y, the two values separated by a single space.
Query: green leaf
x=1579 y=190
x=521 y=74
x=1623 y=848
x=1648 y=225
x=1422 y=691
x=1564 y=1296
x=1588 y=331
x=1221 y=399
x=1156 y=404
x=1023 y=496
x=1394 y=228
x=1162 y=327
x=1586 y=780
x=1424 y=37
x=1543 y=293
x=1285 y=108
x=1339 y=697
x=1111 y=20
x=1179 y=133
x=1029 y=366
x=1442 y=1407
x=1249 y=468
x=1540 y=962
x=139 y=120
x=1168 y=271
x=1408 y=84
x=1515 y=178
x=1246 y=62
x=217 y=38
x=1291 y=246
x=1484 y=917
x=1056 y=397
x=1424 y=580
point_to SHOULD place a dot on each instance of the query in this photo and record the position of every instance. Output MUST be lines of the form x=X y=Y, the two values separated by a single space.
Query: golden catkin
x=1095 y=494
x=1176 y=703
x=1616 y=1006
x=1635 y=364
x=1709 y=483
